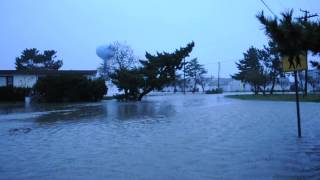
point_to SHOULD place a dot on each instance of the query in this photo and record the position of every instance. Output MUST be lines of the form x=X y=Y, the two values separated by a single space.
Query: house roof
x=46 y=72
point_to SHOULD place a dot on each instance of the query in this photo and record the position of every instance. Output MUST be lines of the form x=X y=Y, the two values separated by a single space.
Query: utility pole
x=305 y=19
x=184 y=75
x=219 y=75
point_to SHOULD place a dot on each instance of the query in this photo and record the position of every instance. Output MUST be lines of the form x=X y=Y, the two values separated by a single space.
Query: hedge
x=69 y=88
x=10 y=93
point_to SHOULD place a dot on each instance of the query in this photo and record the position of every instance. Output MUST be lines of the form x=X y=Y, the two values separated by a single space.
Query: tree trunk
x=306 y=83
x=264 y=90
x=202 y=86
x=143 y=94
x=195 y=85
x=256 y=89
x=273 y=84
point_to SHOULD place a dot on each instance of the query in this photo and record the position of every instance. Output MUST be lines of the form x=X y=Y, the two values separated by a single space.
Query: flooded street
x=162 y=137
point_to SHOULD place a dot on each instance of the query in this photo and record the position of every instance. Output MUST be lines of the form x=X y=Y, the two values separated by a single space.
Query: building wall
x=3 y=81
x=24 y=80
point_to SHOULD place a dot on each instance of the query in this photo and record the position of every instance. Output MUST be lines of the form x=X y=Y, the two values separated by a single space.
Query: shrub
x=11 y=93
x=69 y=88
x=215 y=91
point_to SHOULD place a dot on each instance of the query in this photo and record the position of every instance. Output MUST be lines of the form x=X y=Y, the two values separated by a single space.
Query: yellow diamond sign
x=295 y=64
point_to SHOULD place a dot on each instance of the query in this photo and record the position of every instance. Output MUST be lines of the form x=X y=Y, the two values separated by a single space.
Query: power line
x=265 y=4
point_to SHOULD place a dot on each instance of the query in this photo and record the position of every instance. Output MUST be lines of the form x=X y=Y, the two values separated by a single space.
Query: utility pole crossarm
x=306 y=15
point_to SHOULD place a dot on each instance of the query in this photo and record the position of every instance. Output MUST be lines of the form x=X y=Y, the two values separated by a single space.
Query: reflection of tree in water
x=78 y=114
x=108 y=111
x=140 y=110
x=9 y=108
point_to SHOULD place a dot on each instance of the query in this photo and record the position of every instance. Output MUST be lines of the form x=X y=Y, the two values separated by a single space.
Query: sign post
x=294 y=65
x=297 y=103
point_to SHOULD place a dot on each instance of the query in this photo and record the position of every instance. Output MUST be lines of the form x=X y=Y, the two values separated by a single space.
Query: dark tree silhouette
x=313 y=39
x=290 y=36
x=287 y=33
x=271 y=60
x=251 y=71
x=31 y=59
x=155 y=72
x=195 y=72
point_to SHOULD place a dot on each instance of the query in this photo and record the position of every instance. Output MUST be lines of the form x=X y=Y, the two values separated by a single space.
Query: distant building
x=29 y=78
x=314 y=73
x=229 y=85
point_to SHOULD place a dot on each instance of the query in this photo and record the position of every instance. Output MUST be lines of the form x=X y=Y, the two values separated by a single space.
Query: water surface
x=162 y=137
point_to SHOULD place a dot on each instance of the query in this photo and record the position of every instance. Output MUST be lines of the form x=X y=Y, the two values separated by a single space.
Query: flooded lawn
x=163 y=137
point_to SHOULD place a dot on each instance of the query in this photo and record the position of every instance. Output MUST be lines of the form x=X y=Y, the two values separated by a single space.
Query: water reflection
x=137 y=110
x=107 y=110
x=73 y=114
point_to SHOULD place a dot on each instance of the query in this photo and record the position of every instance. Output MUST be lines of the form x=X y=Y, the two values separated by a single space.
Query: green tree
x=313 y=39
x=154 y=73
x=272 y=63
x=129 y=81
x=251 y=71
x=31 y=59
x=288 y=34
x=195 y=71
x=292 y=36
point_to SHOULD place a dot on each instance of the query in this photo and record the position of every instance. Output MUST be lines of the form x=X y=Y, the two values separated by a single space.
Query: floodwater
x=162 y=137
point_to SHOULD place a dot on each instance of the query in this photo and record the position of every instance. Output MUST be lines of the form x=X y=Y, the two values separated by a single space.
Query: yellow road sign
x=296 y=64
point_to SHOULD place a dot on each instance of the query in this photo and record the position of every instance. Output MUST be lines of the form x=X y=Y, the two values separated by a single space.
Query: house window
x=9 y=80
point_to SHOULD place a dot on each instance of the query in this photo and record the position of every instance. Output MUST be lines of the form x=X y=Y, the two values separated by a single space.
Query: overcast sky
x=222 y=29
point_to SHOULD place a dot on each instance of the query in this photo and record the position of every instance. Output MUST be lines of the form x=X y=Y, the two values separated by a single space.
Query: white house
x=29 y=78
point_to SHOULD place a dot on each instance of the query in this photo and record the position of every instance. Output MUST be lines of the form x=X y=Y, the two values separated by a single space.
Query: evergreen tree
x=251 y=71
x=313 y=39
x=31 y=59
x=287 y=33
x=129 y=81
x=155 y=72
x=272 y=63
x=195 y=71
x=160 y=70
x=292 y=36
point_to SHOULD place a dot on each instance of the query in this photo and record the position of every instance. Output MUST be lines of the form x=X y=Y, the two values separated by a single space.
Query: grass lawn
x=277 y=97
x=108 y=97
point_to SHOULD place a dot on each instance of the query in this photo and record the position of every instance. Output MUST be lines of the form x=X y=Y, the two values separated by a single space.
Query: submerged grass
x=108 y=98
x=277 y=97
